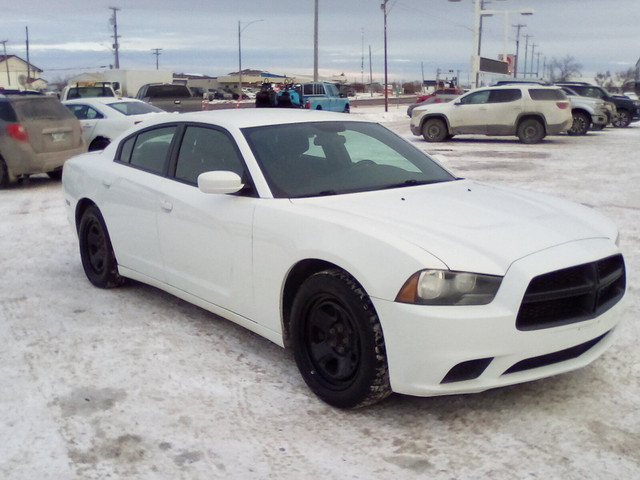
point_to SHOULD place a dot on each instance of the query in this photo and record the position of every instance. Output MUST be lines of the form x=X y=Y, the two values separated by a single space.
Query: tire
x=531 y=131
x=98 y=260
x=55 y=174
x=621 y=119
x=4 y=174
x=338 y=342
x=99 y=144
x=347 y=109
x=581 y=124
x=435 y=130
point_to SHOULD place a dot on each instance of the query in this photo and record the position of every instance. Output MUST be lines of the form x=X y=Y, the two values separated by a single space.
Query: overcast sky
x=197 y=36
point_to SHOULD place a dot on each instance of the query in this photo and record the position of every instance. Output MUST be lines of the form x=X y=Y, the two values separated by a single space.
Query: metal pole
x=515 y=63
x=6 y=61
x=115 y=36
x=386 y=76
x=315 y=42
x=239 y=61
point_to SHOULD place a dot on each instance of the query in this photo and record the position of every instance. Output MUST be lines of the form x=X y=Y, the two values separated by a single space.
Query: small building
x=15 y=73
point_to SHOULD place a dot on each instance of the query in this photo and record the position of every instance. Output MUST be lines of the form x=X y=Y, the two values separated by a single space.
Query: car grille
x=572 y=294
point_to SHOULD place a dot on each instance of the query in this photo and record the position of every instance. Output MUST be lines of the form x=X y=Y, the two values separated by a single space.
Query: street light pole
x=240 y=30
x=386 y=76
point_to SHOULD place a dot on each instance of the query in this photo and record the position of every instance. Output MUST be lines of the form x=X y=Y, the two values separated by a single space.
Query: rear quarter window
x=546 y=94
x=7 y=113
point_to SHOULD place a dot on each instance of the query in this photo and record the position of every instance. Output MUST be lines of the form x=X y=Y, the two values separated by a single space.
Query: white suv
x=529 y=112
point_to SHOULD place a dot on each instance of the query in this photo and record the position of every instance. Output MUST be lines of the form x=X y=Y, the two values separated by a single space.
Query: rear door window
x=503 y=96
x=546 y=94
x=149 y=150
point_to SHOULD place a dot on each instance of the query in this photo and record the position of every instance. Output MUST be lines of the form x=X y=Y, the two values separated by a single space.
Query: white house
x=14 y=74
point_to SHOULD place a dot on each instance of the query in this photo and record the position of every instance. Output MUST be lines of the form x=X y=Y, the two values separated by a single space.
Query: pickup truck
x=71 y=92
x=323 y=96
x=171 y=97
x=312 y=96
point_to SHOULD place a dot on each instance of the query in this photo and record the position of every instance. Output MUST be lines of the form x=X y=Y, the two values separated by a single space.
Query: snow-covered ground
x=133 y=383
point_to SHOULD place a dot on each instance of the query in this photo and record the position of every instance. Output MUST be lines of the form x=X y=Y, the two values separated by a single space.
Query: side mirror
x=219 y=182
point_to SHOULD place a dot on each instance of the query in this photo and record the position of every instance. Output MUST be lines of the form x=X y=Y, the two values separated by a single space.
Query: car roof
x=101 y=100
x=254 y=117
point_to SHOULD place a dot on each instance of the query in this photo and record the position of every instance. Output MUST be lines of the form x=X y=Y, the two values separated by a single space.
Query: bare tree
x=561 y=70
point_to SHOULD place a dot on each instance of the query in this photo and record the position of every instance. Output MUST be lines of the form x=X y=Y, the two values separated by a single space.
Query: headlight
x=442 y=287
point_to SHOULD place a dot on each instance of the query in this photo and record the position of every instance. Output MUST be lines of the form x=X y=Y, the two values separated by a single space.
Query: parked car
x=530 y=112
x=438 y=98
x=588 y=112
x=334 y=236
x=103 y=119
x=37 y=135
x=170 y=97
x=627 y=110
x=100 y=89
x=450 y=92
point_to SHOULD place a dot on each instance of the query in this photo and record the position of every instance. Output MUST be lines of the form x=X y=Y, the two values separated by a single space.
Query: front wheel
x=581 y=123
x=338 y=342
x=621 y=119
x=4 y=173
x=531 y=131
x=435 y=130
x=98 y=260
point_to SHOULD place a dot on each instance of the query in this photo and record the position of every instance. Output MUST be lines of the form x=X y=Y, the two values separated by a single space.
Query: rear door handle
x=166 y=206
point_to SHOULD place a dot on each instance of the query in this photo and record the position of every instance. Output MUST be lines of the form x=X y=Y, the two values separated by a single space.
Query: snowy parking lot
x=132 y=383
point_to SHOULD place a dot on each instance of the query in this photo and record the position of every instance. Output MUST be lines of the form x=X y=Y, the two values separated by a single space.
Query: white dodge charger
x=337 y=238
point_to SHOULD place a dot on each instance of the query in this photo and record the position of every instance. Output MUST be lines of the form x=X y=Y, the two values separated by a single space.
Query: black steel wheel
x=530 y=131
x=435 y=130
x=338 y=342
x=98 y=260
x=581 y=124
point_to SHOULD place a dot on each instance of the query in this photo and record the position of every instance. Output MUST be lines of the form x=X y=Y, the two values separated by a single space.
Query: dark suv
x=627 y=110
x=37 y=135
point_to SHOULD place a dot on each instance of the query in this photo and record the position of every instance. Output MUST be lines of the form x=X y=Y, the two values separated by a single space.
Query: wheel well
x=441 y=117
x=580 y=110
x=533 y=117
x=81 y=207
x=297 y=275
x=97 y=140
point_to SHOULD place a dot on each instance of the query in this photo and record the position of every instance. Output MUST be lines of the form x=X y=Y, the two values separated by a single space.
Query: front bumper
x=464 y=349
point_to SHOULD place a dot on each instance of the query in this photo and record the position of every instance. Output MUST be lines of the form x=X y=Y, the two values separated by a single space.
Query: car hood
x=467 y=225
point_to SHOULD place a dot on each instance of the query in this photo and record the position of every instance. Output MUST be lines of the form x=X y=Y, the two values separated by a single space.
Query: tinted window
x=476 y=98
x=6 y=112
x=546 y=94
x=204 y=150
x=163 y=91
x=502 y=96
x=330 y=158
x=41 y=109
x=84 y=112
x=151 y=149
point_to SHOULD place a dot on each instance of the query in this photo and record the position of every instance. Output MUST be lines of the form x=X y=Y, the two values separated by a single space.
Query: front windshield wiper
x=411 y=182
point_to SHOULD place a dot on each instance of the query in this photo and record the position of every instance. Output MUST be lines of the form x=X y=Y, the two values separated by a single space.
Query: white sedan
x=104 y=118
x=339 y=239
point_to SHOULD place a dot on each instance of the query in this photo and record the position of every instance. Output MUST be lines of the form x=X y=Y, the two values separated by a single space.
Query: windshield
x=329 y=158
x=134 y=108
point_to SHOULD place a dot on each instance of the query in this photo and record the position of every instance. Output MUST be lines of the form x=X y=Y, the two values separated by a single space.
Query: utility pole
x=28 y=60
x=386 y=76
x=533 y=49
x=515 y=64
x=315 y=42
x=114 y=20
x=526 y=51
x=156 y=52
x=6 y=61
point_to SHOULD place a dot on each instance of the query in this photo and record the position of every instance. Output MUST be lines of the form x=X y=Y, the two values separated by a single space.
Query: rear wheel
x=621 y=119
x=530 y=131
x=347 y=108
x=434 y=130
x=98 y=260
x=338 y=342
x=581 y=123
